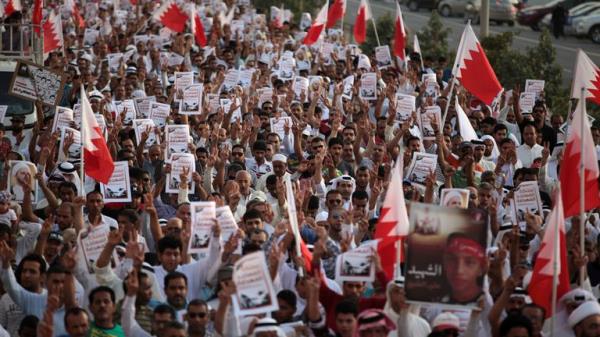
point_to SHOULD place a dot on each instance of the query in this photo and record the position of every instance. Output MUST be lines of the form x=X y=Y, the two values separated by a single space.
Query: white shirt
x=527 y=154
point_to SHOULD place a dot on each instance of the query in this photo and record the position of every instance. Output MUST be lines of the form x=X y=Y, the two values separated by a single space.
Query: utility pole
x=484 y=16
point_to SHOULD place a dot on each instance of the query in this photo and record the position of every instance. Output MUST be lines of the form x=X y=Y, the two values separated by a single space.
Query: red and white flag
x=72 y=8
x=197 y=26
x=98 y=163
x=36 y=16
x=318 y=26
x=473 y=69
x=399 y=34
x=541 y=284
x=336 y=12
x=171 y=16
x=570 y=173
x=53 y=34
x=393 y=220
x=587 y=77
x=12 y=6
x=416 y=45
x=360 y=25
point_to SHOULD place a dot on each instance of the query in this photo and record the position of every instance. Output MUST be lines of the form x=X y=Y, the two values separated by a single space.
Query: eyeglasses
x=237 y=154
x=196 y=314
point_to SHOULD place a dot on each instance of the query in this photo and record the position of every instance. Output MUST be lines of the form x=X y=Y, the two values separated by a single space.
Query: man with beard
x=19 y=137
x=585 y=320
x=176 y=289
x=102 y=306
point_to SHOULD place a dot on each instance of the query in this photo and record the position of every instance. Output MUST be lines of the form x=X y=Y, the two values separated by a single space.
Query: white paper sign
x=183 y=80
x=527 y=198
x=368 y=86
x=179 y=161
x=348 y=87
x=526 y=101
x=92 y=242
x=159 y=112
x=191 y=102
x=129 y=107
x=203 y=219
x=356 y=265
x=535 y=86
x=405 y=105
x=118 y=187
x=254 y=290
x=63 y=117
x=143 y=106
x=114 y=62
x=300 y=85
x=421 y=165
x=426 y=117
x=145 y=125
x=177 y=137
x=72 y=153
x=3 y=109
x=383 y=56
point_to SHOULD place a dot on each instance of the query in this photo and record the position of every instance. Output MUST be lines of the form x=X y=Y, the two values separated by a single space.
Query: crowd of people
x=337 y=148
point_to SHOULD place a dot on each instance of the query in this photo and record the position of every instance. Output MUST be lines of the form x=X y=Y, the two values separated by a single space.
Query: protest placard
x=254 y=290
x=428 y=116
x=159 y=112
x=191 y=101
x=405 y=105
x=177 y=136
x=118 y=188
x=203 y=219
x=383 y=56
x=145 y=125
x=454 y=198
x=21 y=173
x=526 y=198
x=63 y=117
x=70 y=145
x=368 y=86
x=421 y=165
x=33 y=82
x=357 y=265
x=179 y=162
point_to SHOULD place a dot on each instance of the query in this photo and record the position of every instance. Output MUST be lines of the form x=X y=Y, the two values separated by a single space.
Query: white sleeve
x=3 y=333
x=131 y=328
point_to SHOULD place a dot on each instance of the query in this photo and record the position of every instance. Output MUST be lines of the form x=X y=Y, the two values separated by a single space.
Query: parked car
x=501 y=11
x=460 y=7
x=588 y=25
x=415 y=5
x=531 y=16
x=575 y=12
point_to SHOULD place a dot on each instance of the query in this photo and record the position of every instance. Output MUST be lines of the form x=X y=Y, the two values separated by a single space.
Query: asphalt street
x=566 y=48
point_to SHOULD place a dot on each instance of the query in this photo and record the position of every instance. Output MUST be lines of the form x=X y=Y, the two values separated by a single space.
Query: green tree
x=433 y=38
x=385 y=30
x=296 y=6
x=510 y=65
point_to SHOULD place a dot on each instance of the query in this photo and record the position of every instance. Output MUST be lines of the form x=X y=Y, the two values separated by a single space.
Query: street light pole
x=484 y=16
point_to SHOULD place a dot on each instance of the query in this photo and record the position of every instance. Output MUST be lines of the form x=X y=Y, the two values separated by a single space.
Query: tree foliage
x=385 y=30
x=513 y=67
x=433 y=39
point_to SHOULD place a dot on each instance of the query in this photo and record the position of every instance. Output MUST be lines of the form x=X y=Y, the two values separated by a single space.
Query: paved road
x=566 y=48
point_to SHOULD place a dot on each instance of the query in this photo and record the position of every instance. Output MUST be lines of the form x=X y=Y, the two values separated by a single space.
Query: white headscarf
x=495 y=152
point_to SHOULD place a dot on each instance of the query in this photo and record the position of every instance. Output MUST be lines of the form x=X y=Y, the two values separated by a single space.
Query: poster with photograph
x=368 y=86
x=428 y=116
x=300 y=86
x=142 y=105
x=179 y=162
x=63 y=117
x=526 y=198
x=356 y=265
x=264 y=95
x=431 y=86
x=383 y=56
x=191 y=101
x=405 y=105
x=526 y=101
x=70 y=145
x=31 y=81
x=145 y=125
x=183 y=79
x=454 y=198
x=348 y=84
x=227 y=223
x=177 y=136
x=118 y=187
x=421 y=165
x=114 y=62
x=21 y=173
x=203 y=220
x=536 y=87
x=226 y=104
x=246 y=77
x=159 y=112
x=254 y=290
x=440 y=240
x=278 y=125
x=286 y=69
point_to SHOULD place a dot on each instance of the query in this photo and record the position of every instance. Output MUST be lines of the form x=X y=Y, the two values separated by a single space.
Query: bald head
x=243 y=179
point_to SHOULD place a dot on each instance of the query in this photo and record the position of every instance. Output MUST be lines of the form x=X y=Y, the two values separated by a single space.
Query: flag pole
x=555 y=257
x=375 y=29
x=582 y=186
x=82 y=163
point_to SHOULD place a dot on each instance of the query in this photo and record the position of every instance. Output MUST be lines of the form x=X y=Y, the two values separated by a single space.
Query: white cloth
x=527 y=154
